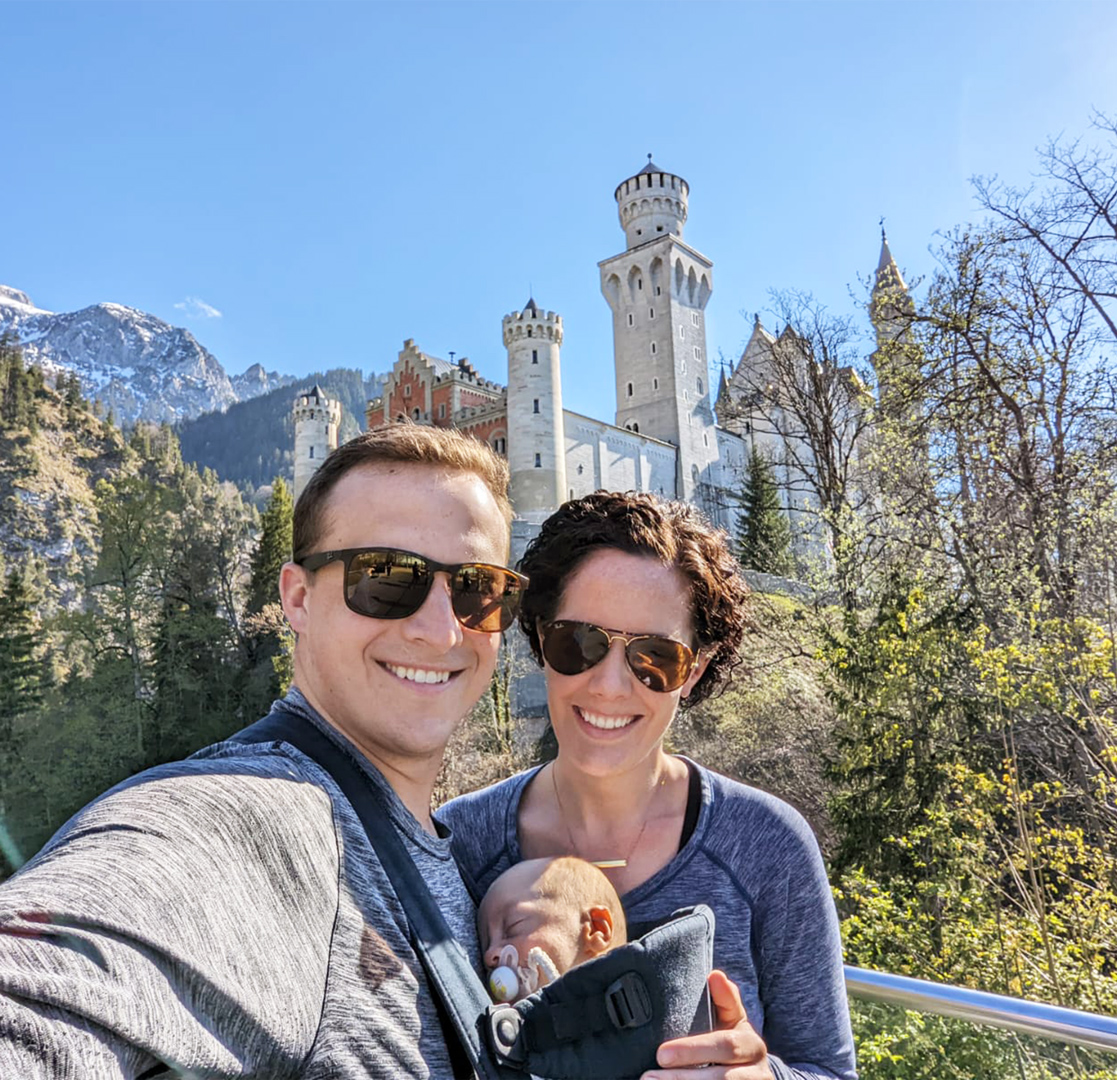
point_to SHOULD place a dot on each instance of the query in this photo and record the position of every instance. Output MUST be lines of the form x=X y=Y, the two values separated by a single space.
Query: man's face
x=396 y=687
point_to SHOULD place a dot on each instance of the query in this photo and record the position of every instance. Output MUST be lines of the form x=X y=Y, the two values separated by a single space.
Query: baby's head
x=565 y=907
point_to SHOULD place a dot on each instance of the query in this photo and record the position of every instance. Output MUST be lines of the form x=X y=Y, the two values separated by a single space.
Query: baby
x=542 y=917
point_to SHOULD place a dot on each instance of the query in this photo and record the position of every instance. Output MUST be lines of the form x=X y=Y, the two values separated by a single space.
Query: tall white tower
x=658 y=289
x=536 y=440
x=316 y=422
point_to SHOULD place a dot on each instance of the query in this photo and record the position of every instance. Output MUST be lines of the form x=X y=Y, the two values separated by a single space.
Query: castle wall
x=601 y=455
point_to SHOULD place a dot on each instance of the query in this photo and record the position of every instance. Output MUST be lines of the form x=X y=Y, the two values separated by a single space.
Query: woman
x=636 y=607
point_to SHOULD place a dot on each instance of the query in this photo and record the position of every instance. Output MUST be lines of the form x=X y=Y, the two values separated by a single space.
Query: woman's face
x=606 y=721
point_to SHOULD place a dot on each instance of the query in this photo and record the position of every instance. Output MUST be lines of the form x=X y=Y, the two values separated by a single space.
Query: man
x=225 y=916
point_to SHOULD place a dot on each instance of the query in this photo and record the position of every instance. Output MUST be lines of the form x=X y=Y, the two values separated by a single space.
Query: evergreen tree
x=23 y=674
x=765 y=533
x=273 y=549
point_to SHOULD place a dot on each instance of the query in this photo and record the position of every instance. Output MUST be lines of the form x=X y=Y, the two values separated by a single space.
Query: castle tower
x=658 y=289
x=890 y=310
x=536 y=440
x=317 y=418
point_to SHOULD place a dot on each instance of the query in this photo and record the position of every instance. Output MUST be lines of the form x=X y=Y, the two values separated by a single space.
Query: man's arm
x=185 y=918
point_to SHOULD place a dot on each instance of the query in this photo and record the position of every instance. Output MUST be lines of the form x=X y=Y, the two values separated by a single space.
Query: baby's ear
x=597 y=930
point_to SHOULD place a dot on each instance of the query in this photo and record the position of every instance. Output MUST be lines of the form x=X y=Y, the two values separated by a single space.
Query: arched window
x=415 y=414
x=539 y=461
x=699 y=381
x=312 y=453
x=653 y=348
x=535 y=405
x=535 y=356
x=629 y=389
x=529 y=331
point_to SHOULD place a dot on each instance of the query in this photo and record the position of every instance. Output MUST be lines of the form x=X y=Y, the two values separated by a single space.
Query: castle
x=667 y=436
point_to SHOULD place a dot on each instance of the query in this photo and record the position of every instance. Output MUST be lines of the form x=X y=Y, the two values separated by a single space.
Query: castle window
x=658 y=290
x=499 y=445
x=442 y=411
x=705 y=439
x=651 y=313
x=694 y=317
x=655 y=384
x=631 y=318
x=748 y=427
x=415 y=414
x=529 y=331
x=630 y=389
x=659 y=228
x=686 y=396
x=535 y=356
x=636 y=427
x=312 y=453
x=639 y=283
x=581 y=469
x=539 y=461
x=682 y=332
x=535 y=405
x=697 y=354
x=639 y=232
x=700 y=384
x=653 y=348
x=407 y=390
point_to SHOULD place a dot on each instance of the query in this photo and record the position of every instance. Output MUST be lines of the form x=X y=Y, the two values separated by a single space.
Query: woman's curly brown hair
x=677 y=535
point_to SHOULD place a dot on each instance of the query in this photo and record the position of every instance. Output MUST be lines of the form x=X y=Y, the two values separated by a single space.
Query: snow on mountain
x=137 y=365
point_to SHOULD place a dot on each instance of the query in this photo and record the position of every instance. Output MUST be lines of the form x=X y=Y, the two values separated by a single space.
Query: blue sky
x=335 y=178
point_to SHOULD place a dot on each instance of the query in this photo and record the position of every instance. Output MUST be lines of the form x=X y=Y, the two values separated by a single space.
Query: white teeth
x=606 y=722
x=419 y=675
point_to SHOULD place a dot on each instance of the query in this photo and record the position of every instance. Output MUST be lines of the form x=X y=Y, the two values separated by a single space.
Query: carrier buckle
x=627 y=1001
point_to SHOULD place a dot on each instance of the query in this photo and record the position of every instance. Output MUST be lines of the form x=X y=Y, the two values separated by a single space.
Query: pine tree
x=23 y=673
x=273 y=549
x=765 y=533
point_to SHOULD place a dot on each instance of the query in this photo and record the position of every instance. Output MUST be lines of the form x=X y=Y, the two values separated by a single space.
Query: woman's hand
x=733 y=1051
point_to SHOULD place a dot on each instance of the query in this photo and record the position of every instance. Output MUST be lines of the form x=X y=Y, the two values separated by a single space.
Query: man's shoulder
x=227 y=797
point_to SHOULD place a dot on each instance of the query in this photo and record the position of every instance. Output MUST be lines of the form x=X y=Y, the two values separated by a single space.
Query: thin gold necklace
x=603 y=864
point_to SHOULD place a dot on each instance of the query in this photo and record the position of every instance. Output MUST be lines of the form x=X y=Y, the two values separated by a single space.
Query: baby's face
x=514 y=912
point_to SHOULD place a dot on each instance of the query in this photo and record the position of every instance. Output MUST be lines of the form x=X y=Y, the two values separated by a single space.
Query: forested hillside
x=253 y=441
x=133 y=628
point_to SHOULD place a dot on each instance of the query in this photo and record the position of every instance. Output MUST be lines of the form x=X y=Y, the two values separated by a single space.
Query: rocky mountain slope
x=133 y=363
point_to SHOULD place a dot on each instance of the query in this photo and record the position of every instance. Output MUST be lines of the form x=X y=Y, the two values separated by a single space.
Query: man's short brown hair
x=406 y=443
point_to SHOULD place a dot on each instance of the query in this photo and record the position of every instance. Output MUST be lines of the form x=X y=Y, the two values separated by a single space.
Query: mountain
x=133 y=363
x=253 y=441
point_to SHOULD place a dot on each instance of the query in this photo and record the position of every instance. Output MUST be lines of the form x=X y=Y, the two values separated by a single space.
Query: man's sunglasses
x=387 y=583
x=660 y=663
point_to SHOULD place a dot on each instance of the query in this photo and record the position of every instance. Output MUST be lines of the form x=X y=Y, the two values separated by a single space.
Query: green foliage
x=19 y=389
x=273 y=548
x=764 y=543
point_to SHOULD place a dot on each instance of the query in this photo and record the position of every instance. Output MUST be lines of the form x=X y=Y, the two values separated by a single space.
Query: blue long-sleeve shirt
x=756 y=863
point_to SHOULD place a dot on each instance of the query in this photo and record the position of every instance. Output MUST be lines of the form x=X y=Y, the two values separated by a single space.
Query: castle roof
x=318 y=393
x=651 y=167
x=532 y=307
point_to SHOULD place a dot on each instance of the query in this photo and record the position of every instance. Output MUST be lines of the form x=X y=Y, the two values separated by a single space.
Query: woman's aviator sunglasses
x=387 y=583
x=660 y=663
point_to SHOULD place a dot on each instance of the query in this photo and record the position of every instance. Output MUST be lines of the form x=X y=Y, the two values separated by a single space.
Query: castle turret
x=658 y=289
x=317 y=418
x=536 y=440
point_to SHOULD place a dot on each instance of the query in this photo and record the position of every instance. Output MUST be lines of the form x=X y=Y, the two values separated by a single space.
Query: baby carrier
x=602 y=1020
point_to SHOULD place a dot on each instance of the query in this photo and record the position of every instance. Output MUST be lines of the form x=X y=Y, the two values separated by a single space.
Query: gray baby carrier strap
x=602 y=1020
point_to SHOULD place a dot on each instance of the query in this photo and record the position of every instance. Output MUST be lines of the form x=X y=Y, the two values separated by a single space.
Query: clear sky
x=334 y=178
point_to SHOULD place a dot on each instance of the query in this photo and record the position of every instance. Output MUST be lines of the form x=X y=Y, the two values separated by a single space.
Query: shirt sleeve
x=147 y=931
x=800 y=968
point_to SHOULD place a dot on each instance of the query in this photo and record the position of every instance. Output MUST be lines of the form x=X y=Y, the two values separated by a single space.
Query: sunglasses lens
x=485 y=597
x=387 y=584
x=659 y=663
x=572 y=647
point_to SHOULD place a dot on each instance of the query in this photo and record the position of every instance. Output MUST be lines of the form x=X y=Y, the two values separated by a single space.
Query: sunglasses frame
x=316 y=560
x=693 y=656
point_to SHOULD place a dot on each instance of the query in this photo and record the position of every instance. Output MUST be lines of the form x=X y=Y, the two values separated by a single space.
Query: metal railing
x=1014 y=1014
